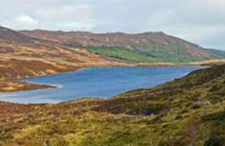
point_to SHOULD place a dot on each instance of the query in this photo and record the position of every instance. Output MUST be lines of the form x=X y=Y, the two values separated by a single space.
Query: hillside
x=186 y=111
x=147 y=47
x=35 y=53
x=24 y=56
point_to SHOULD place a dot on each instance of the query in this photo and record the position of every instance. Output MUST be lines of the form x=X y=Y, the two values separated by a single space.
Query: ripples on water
x=102 y=82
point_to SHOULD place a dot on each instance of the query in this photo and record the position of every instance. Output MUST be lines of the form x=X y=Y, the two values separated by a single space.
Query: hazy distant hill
x=14 y=36
x=143 y=48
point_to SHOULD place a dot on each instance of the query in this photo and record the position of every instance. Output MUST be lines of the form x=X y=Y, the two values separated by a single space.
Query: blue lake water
x=102 y=82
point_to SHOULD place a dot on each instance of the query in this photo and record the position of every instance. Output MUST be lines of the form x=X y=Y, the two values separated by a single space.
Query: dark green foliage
x=154 y=53
x=217 y=129
x=122 y=54
x=212 y=142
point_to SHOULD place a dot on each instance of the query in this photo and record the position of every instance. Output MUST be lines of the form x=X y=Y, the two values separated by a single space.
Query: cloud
x=199 y=21
x=26 y=20
x=67 y=17
x=84 y=26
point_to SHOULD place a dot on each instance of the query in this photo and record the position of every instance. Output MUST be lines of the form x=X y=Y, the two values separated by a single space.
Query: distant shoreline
x=27 y=86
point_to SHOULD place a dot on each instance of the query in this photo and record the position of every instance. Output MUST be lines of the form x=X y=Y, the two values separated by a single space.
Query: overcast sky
x=199 y=21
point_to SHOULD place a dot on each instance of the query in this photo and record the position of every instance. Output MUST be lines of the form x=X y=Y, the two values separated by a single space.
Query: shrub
x=212 y=142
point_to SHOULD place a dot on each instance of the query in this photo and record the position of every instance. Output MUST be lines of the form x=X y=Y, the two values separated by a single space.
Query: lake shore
x=13 y=85
x=150 y=112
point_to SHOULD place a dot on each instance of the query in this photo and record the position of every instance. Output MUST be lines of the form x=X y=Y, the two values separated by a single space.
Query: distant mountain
x=150 y=47
x=14 y=36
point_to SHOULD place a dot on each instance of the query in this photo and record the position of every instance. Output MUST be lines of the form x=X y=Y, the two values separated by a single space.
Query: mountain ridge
x=148 y=47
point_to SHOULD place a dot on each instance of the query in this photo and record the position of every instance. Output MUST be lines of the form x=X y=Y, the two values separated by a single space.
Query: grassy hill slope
x=24 y=56
x=146 y=47
x=186 y=111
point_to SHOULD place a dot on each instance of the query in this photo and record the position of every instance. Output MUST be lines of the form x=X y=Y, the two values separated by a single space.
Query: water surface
x=100 y=82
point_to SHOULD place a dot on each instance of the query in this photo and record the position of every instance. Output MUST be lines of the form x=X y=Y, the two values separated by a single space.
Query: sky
x=198 y=21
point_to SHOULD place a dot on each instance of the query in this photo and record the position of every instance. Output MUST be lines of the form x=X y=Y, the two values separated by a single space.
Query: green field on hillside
x=122 y=54
x=153 y=54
